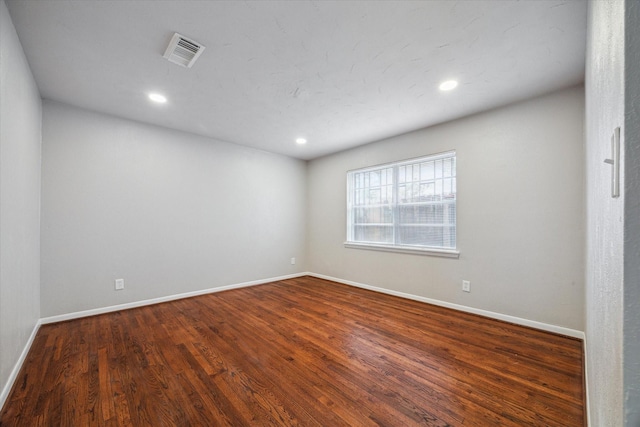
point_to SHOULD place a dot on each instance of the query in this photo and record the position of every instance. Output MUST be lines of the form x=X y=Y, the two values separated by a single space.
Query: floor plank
x=298 y=352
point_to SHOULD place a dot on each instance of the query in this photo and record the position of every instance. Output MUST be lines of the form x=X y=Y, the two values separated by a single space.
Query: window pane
x=388 y=197
x=408 y=195
x=375 y=179
x=373 y=215
x=447 y=164
x=427 y=236
x=446 y=187
x=450 y=214
x=429 y=171
x=374 y=196
x=374 y=234
x=438 y=168
x=426 y=213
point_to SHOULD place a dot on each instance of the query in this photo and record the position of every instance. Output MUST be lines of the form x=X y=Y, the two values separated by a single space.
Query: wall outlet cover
x=466 y=286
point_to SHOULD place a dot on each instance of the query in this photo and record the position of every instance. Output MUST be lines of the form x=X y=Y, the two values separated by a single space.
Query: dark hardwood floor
x=300 y=352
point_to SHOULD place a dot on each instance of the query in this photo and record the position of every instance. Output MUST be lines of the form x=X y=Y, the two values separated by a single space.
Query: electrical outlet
x=119 y=284
x=293 y=261
x=466 y=286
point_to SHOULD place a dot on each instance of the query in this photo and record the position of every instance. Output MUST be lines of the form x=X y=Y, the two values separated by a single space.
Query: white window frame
x=442 y=251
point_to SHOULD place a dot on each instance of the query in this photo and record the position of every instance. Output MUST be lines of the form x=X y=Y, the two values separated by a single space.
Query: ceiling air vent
x=183 y=51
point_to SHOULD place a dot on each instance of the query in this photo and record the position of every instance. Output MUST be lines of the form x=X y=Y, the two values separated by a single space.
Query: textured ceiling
x=339 y=73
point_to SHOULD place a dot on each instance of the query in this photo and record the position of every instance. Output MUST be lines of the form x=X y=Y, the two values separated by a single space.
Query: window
x=404 y=206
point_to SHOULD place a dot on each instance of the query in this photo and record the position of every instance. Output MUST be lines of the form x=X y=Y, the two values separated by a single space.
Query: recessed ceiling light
x=448 y=85
x=156 y=97
x=301 y=141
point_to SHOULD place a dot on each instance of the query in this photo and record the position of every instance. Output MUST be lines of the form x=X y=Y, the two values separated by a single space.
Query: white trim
x=16 y=368
x=396 y=204
x=109 y=309
x=428 y=157
x=445 y=253
x=499 y=316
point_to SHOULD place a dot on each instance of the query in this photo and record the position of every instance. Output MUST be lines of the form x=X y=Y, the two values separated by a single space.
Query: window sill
x=445 y=253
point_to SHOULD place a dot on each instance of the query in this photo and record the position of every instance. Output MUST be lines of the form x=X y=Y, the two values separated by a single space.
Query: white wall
x=20 y=119
x=631 y=328
x=520 y=213
x=168 y=211
x=604 y=228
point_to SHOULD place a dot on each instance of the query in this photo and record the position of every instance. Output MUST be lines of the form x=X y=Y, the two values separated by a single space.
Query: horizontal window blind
x=405 y=204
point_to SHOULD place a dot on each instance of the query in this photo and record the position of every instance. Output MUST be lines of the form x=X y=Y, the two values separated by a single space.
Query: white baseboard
x=499 y=316
x=112 y=308
x=16 y=368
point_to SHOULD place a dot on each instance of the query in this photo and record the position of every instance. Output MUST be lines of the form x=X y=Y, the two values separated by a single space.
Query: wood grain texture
x=299 y=352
